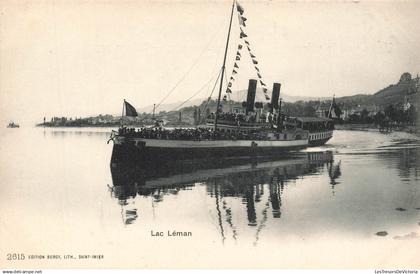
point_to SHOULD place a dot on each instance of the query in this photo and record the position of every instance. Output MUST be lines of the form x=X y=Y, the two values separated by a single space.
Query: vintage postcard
x=210 y=134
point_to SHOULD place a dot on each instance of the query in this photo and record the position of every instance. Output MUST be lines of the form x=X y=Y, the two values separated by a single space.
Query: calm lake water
x=321 y=207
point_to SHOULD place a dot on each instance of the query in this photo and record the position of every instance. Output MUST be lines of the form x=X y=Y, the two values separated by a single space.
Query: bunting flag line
x=243 y=35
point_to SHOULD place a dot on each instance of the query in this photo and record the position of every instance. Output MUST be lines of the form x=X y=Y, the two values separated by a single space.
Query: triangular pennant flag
x=230 y=84
x=255 y=62
x=241 y=21
x=252 y=55
x=234 y=72
x=236 y=66
x=238 y=58
x=232 y=79
x=239 y=8
x=243 y=35
x=267 y=97
x=238 y=53
x=239 y=46
x=224 y=98
x=257 y=69
x=228 y=90
x=259 y=75
x=264 y=90
x=262 y=83
x=246 y=42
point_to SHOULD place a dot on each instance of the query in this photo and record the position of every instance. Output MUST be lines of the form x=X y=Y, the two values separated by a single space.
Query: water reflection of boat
x=251 y=182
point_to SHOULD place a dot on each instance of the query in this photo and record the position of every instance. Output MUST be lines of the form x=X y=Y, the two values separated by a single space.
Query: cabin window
x=285 y=136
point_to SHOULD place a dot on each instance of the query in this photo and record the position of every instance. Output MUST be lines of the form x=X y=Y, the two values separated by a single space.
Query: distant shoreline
x=373 y=127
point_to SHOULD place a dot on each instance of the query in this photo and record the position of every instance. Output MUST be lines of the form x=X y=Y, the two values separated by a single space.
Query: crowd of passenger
x=236 y=117
x=193 y=134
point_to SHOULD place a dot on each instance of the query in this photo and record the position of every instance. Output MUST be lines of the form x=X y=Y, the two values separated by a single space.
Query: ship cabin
x=320 y=129
x=312 y=124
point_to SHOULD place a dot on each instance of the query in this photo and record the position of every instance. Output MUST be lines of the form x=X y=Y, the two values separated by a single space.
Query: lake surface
x=321 y=207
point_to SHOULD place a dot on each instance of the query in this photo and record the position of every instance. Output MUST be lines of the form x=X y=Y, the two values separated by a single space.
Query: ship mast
x=223 y=69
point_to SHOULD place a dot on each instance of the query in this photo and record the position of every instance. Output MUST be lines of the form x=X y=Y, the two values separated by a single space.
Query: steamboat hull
x=137 y=150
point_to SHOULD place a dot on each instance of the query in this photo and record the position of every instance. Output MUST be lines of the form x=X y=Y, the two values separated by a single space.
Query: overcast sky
x=79 y=58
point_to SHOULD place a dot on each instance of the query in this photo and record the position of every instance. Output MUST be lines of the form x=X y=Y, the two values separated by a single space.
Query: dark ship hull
x=138 y=150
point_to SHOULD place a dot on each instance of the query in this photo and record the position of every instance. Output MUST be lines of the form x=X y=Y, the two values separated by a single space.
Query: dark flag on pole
x=242 y=35
x=239 y=46
x=129 y=110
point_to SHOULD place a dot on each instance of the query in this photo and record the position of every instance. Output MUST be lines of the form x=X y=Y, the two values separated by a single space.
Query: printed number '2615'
x=15 y=256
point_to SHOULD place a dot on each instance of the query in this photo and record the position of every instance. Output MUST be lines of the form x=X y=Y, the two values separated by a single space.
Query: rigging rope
x=190 y=69
x=208 y=82
x=208 y=100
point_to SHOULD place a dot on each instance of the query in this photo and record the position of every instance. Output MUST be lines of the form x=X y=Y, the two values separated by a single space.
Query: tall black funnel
x=250 y=99
x=275 y=96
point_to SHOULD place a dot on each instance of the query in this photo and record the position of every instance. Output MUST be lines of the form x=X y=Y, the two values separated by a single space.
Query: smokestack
x=250 y=99
x=275 y=96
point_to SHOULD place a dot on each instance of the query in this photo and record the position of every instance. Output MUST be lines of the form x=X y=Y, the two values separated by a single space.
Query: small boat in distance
x=12 y=125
